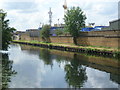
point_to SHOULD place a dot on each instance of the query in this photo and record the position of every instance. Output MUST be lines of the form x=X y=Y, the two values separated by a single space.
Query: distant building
x=115 y=25
x=33 y=32
x=96 y=28
x=52 y=29
x=87 y=29
x=17 y=35
x=59 y=25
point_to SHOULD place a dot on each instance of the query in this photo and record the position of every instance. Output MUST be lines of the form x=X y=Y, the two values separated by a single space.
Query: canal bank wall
x=62 y=47
x=106 y=38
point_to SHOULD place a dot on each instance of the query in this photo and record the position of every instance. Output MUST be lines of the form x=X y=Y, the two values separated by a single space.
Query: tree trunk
x=75 y=40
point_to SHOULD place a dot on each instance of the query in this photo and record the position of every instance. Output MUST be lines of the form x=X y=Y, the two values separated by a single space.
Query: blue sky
x=27 y=14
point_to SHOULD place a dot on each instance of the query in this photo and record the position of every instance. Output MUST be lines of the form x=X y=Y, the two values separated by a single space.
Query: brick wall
x=109 y=38
x=25 y=36
x=98 y=41
x=61 y=39
x=105 y=32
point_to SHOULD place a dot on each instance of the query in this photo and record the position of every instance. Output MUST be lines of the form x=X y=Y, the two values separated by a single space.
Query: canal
x=27 y=66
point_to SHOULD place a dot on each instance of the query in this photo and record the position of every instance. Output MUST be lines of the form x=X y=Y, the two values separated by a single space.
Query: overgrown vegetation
x=7 y=31
x=87 y=49
x=45 y=33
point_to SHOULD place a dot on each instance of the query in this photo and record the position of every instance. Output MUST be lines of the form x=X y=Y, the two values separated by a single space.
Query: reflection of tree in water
x=7 y=71
x=60 y=59
x=75 y=74
x=46 y=56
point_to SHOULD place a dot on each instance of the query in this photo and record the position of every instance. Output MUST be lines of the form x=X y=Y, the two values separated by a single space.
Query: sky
x=28 y=14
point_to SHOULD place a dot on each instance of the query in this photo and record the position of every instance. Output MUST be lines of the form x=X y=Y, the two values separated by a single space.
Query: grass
x=100 y=48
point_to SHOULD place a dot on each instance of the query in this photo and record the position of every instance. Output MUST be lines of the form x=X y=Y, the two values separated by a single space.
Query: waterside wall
x=107 y=38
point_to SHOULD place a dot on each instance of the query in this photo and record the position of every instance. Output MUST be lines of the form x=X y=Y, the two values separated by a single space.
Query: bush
x=45 y=33
x=58 y=32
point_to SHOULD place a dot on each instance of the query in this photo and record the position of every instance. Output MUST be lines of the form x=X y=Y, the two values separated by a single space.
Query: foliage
x=58 y=32
x=7 y=71
x=7 y=32
x=74 y=21
x=45 y=32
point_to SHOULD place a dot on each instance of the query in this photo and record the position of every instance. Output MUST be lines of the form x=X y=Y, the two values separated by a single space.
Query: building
x=17 y=35
x=115 y=25
x=59 y=25
x=33 y=32
x=96 y=28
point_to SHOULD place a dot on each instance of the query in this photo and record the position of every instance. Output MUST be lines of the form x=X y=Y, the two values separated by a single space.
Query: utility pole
x=50 y=17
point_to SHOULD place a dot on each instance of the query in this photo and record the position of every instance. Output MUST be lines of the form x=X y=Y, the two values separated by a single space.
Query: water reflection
x=75 y=74
x=44 y=68
x=46 y=56
x=7 y=71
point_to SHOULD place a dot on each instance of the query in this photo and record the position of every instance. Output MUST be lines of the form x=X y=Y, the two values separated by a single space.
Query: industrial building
x=115 y=25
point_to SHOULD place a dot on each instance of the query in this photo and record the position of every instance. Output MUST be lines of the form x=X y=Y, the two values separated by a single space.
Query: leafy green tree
x=58 y=32
x=7 y=32
x=74 y=21
x=45 y=32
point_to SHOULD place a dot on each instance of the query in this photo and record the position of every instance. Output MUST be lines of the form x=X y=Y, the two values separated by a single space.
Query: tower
x=50 y=17
x=65 y=7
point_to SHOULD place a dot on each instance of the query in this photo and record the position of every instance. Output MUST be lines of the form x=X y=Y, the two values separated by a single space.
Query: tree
x=7 y=32
x=58 y=32
x=74 y=21
x=45 y=32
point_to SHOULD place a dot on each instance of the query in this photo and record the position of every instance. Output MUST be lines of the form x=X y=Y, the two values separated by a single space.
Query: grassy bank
x=115 y=52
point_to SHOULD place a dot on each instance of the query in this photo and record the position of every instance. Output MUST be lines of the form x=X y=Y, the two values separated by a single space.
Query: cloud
x=98 y=79
x=25 y=14
x=19 y=5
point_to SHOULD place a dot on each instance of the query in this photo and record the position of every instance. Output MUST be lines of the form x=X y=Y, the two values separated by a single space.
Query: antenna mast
x=50 y=16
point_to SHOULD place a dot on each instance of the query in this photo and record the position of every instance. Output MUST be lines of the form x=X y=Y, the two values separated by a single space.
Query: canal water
x=35 y=67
